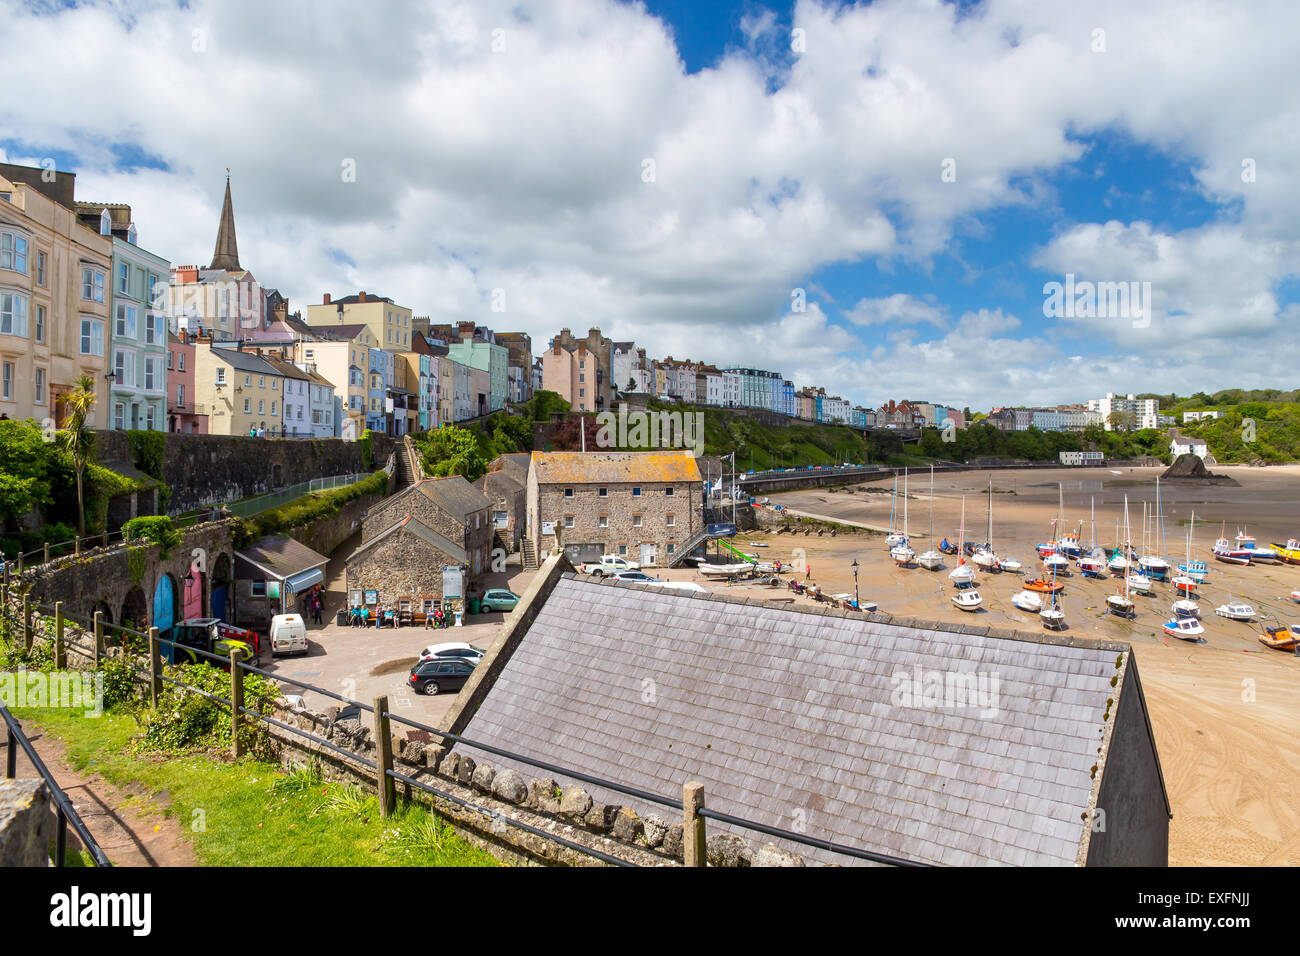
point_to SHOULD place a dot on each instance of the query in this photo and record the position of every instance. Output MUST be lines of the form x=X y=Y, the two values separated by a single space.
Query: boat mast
x=932 y=507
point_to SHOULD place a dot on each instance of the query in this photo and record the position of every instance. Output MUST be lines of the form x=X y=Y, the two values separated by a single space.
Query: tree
x=25 y=464
x=1121 y=421
x=78 y=440
x=451 y=450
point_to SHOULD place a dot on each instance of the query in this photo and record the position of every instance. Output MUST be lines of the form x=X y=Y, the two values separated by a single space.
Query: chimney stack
x=327 y=298
x=361 y=297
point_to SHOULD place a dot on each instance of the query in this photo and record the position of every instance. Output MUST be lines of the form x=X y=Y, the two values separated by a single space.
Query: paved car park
x=362 y=663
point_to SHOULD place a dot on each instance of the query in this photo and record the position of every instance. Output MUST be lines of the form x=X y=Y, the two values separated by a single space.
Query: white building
x=1199 y=416
x=1186 y=445
x=1081 y=457
x=1145 y=411
x=714 y=389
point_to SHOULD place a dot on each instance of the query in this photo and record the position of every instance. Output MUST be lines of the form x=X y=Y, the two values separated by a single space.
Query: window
x=568 y=521
x=13 y=252
x=669 y=491
x=671 y=519
x=636 y=492
x=261 y=407
x=119 y=416
x=275 y=384
x=180 y=396
x=307 y=354
x=636 y=521
x=126 y=321
x=123 y=278
x=152 y=329
x=582 y=393
x=13 y=314
x=92 y=337
x=602 y=492
x=272 y=407
x=169 y=360
x=153 y=291
x=7 y=382
x=92 y=284
x=582 y=377
x=622 y=550
x=568 y=492
x=671 y=547
x=259 y=589
x=151 y=379
x=221 y=376
x=148 y=417
x=248 y=380
x=41 y=261
x=40 y=323
x=261 y=381
x=180 y=362
x=248 y=405
x=124 y=368
x=602 y=521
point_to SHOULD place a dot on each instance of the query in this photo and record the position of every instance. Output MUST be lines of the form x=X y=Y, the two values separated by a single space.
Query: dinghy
x=1282 y=637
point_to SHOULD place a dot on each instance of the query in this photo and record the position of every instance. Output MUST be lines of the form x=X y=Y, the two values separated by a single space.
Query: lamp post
x=856 y=602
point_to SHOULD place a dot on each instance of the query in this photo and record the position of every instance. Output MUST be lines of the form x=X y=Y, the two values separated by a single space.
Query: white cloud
x=897 y=309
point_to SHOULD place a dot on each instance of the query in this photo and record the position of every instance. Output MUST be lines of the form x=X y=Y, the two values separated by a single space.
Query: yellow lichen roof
x=614 y=466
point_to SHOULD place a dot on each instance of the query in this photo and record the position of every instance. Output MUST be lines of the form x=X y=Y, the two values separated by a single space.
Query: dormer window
x=105 y=223
x=130 y=234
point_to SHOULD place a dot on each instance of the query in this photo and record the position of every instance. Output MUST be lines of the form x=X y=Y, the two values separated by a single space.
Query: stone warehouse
x=451 y=508
x=506 y=484
x=406 y=560
x=641 y=505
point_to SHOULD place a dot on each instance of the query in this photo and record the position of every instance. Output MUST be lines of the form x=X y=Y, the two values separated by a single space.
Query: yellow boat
x=1289 y=552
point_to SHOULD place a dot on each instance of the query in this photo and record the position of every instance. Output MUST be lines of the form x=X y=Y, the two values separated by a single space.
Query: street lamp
x=856 y=602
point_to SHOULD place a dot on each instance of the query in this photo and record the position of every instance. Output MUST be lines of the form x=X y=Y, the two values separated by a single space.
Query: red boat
x=1045 y=587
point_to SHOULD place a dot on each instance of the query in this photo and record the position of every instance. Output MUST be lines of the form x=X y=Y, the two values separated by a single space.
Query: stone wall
x=203 y=470
x=26 y=819
x=403 y=564
x=619 y=509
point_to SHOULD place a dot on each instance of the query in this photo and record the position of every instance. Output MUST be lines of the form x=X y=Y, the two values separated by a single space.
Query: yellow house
x=244 y=392
x=388 y=322
x=54 y=297
x=341 y=355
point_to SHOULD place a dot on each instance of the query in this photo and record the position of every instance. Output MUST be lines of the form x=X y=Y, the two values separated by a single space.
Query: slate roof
x=245 y=361
x=613 y=467
x=281 y=555
x=790 y=716
x=515 y=464
x=421 y=530
x=454 y=495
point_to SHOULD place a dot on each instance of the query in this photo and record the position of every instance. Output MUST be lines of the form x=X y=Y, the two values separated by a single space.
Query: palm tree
x=77 y=439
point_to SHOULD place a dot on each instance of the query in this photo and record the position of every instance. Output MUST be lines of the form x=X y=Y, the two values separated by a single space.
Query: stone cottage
x=449 y=507
x=405 y=560
x=506 y=484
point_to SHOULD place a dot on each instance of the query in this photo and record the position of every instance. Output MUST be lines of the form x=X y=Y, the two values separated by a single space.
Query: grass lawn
x=251 y=813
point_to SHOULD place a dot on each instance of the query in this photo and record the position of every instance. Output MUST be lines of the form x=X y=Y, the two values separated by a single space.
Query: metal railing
x=66 y=813
x=386 y=776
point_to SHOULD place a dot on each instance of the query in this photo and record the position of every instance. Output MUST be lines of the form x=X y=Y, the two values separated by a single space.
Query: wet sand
x=1225 y=710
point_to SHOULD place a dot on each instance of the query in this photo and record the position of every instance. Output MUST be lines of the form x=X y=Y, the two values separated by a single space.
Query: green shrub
x=156 y=529
x=318 y=504
x=184 y=720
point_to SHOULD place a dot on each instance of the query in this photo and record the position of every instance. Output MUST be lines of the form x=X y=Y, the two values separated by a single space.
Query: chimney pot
x=327 y=298
x=361 y=297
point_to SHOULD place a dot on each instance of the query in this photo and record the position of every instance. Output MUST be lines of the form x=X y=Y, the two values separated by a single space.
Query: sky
x=873 y=198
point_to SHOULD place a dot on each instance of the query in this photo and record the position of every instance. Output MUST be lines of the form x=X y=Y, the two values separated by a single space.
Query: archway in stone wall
x=164 y=606
x=135 y=610
x=102 y=607
x=221 y=588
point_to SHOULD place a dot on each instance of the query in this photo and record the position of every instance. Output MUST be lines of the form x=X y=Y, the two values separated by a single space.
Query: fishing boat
x=1044 y=586
x=968 y=599
x=1227 y=553
x=1184 y=628
x=947 y=547
x=1196 y=570
x=1092 y=566
x=1235 y=610
x=1246 y=542
x=1027 y=601
x=931 y=559
x=1282 y=637
x=1120 y=603
x=1154 y=567
x=1139 y=583
x=1070 y=545
x=1184 y=584
x=1289 y=552
x=1185 y=607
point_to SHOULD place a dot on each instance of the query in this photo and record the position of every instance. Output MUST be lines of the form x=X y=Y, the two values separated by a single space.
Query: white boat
x=1139 y=583
x=1028 y=601
x=1185 y=608
x=1246 y=542
x=1184 y=628
x=902 y=552
x=1235 y=610
x=985 y=557
x=894 y=537
x=724 y=570
x=757 y=544
x=1121 y=604
x=968 y=599
x=963 y=575
x=931 y=560
x=1010 y=565
x=1295 y=596
x=1053 y=617
x=1227 y=553
x=1056 y=563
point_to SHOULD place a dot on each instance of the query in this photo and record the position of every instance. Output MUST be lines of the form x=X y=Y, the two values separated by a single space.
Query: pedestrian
x=807 y=575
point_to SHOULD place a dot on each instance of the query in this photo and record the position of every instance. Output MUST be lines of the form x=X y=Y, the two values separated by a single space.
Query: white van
x=288 y=634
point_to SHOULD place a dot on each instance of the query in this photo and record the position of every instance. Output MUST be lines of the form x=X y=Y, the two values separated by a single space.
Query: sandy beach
x=1223 y=709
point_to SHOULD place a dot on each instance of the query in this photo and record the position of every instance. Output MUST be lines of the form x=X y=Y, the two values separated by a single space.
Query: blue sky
x=502 y=146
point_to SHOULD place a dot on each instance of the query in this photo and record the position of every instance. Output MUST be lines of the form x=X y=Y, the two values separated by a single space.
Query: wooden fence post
x=47 y=553
x=76 y=545
x=60 y=653
x=99 y=637
x=384 y=758
x=103 y=539
x=5 y=602
x=27 y=625
x=236 y=702
x=694 y=846
x=155 y=668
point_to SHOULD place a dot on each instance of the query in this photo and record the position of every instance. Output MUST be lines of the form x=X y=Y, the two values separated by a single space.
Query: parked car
x=449 y=649
x=608 y=564
x=288 y=634
x=498 y=599
x=432 y=677
x=640 y=577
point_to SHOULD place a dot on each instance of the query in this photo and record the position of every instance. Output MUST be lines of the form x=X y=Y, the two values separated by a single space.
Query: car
x=498 y=599
x=635 y=576
x=608 y=564
x=452 y=649
x=440 y=674
x=288 y=634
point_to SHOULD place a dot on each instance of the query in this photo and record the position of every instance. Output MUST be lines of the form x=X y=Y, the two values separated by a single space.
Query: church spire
x=226 y=254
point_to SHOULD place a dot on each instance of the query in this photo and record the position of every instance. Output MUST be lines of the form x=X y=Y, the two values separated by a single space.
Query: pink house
x=184 y=414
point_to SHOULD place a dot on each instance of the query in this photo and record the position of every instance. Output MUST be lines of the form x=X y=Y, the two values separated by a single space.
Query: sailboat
x=1052 y=616
x=963 y=576
x=1191 y=571
x=1093 y=564
x=1154 y=566
x=984 y=556
x=902 y=552
x=1118 y=563
x=894 y=536
x=1120 y=603
x=931 y=559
